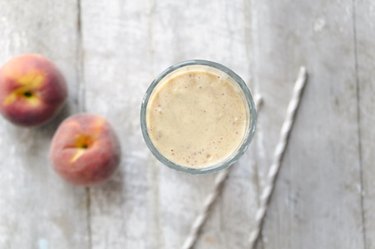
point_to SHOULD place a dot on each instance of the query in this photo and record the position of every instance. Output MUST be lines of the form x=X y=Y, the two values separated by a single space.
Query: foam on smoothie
x=197 y=116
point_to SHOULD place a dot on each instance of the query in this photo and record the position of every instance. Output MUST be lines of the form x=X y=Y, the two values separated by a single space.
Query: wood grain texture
x=364 y=27
x=111 y=51
x=317 y=202
x=38 y=209
x=126 y=44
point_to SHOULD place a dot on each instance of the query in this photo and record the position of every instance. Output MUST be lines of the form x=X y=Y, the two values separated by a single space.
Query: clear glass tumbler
x=246 y=139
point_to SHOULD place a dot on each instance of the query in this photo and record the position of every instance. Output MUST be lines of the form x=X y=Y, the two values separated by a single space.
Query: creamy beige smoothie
x=197 y=116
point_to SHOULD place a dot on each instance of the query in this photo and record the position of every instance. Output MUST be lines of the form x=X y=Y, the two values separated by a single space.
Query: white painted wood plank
x=317 y=200
x=126 y=44
x=219 y=36
x=365 y=33
x=38 y=209
x=116 y=66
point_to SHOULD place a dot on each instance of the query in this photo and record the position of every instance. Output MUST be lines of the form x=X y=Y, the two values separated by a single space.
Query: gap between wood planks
x=355 y=47
x=82 y=105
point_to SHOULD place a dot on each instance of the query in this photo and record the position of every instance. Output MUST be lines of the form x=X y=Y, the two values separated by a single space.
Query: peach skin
x=32 y=90
x=85 y=149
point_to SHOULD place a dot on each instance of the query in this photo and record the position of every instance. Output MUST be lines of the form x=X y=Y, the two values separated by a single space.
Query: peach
x=85 y=149
x=32 y=90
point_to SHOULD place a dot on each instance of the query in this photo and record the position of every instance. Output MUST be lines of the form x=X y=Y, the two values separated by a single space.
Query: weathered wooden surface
x=147 y=200
x=110 y=52
x=38 y=209
x=317 y=202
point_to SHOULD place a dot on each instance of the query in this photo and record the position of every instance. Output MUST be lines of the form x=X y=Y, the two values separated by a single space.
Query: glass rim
x=230 y=160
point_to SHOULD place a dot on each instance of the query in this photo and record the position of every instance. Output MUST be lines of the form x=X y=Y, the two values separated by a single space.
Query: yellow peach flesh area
x=82 y=143
x=28 y=82
x=77 y=155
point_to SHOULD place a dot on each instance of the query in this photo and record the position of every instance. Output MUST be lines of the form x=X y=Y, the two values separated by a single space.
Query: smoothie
x=197 y=116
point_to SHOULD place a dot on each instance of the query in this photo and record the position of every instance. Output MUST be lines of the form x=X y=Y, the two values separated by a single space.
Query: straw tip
x=303 y=71
x=258 y=99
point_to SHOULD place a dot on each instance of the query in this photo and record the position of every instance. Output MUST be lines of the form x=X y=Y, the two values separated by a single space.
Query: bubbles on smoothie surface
x=196 y=117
